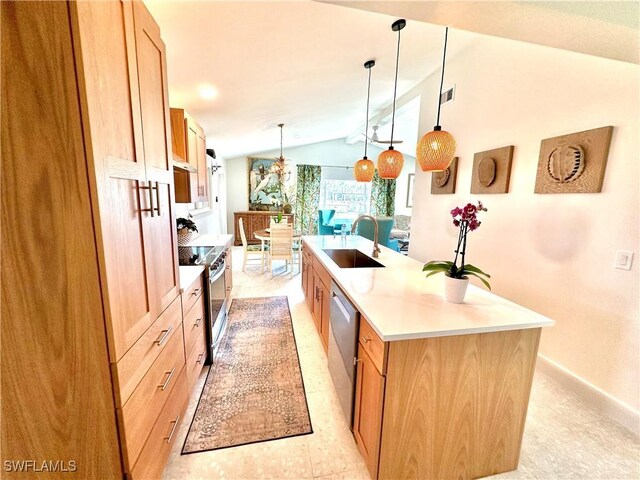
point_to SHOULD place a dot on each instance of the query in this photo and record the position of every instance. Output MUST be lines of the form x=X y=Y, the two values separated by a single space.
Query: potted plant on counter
x=457 y=277
x=186 y=227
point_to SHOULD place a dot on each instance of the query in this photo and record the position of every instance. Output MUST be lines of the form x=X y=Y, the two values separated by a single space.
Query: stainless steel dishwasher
x=343 y=345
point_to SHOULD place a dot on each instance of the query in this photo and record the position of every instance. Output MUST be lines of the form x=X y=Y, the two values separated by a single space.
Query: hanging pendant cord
x=366 y=128
x=444 y=56
x=395 y=88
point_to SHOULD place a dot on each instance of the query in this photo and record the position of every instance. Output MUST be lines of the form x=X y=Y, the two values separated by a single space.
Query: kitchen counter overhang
x=401 y=304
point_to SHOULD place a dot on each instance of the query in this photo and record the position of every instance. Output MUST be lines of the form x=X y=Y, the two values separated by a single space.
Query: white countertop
x=401 y=304
x=211 y=240
x=188 y=275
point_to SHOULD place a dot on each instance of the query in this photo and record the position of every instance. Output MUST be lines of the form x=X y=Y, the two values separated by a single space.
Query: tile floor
x=564 y=438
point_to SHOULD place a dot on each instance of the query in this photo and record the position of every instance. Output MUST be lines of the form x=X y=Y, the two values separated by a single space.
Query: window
x=347 y=197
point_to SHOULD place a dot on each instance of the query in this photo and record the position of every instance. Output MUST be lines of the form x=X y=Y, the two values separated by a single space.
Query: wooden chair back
x=284 y=221
x=243 y=235
x=281 y=241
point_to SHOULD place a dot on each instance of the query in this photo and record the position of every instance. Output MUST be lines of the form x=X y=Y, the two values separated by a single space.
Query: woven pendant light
x=436 y=149
x=364 y=169
x=390 y=161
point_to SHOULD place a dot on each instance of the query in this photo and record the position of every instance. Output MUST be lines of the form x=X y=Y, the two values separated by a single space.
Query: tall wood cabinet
x=89 y=240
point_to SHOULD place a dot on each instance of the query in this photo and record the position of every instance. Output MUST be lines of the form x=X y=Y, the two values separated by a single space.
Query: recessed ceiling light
x=208 y=92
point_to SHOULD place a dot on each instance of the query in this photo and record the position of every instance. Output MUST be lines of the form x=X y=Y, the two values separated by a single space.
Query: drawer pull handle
x=366 y=339
x=200 y=357
x=173 y=429
x=197 y=324
x=164 y=336
x=196 y=291
x=356 y=361
x=166 y=382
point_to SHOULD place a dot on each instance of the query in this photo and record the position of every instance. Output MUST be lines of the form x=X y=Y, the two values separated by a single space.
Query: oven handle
x=218 y=274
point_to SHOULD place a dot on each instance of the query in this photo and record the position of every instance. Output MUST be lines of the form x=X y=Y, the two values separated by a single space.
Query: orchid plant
x=466 y=219
x=182 y=223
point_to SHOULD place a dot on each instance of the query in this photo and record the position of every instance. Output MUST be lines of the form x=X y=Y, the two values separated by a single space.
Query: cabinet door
x=159 y=231
x=367 y=418
x=317 y=302
x=325 y=298
x=309 y=292
x=192 y=156
x=192 y=141
x=154 y=97
x=305 y=275
x=257 y=223
x=112 y=125
x=203 y=172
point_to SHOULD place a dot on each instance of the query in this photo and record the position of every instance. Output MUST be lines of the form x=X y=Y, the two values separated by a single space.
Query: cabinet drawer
x=134 y=364
x=194 y=324
x=195 y=361
x=141 y=411
x=156 y=450
x=191 y=294
x=373 y=344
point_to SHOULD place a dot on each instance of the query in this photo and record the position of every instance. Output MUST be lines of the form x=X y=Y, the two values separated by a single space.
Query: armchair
x=385 y=224
x=325 y=226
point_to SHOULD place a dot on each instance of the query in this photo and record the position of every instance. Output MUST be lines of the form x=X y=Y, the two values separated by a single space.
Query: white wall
x=551 y=253
x=211 y=217
x=333 y=152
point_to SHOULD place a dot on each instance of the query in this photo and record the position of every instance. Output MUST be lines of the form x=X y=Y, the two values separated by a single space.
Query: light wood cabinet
x=317 y=304
x=305 y=274
x=254 y=221
x=110 y=247
x=459 y=399
x=189 y=149
x=316 y=283
x=203 y=172
x=369 y=403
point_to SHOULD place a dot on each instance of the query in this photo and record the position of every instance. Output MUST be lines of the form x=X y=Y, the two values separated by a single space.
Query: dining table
x=264 y=235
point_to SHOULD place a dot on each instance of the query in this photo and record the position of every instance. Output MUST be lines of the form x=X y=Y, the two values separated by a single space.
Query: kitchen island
x=441 y=389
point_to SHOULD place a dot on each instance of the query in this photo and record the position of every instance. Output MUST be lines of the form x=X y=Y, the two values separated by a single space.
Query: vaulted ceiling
x=242 y=67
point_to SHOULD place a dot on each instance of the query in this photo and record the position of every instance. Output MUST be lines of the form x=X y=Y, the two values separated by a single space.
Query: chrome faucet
x=376 y=248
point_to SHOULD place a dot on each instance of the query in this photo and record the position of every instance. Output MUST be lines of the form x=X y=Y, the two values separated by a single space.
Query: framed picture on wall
x=264 y=185
x=411 y=179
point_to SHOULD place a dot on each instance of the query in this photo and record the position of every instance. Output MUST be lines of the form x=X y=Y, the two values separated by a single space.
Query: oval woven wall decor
x=486 y=171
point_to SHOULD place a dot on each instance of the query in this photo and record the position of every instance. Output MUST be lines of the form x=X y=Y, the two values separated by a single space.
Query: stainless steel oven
x=216 y=299
x=214 y=260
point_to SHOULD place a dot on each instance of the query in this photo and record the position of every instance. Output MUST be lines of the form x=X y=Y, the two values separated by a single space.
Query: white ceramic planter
x=455 y=289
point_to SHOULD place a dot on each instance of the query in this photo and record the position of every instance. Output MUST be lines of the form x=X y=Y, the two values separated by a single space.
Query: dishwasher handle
x=335 y=299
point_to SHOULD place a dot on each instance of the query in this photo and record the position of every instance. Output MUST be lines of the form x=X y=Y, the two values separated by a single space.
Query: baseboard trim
x=601 y=400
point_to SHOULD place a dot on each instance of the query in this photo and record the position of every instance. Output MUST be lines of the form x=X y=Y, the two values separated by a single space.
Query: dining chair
x=283 y=221
x=250 y=250
x=281 y=245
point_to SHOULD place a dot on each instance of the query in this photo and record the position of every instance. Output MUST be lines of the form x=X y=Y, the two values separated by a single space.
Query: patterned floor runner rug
x=254 y=390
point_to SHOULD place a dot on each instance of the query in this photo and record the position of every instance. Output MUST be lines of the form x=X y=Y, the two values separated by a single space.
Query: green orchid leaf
x=435 y=265
x=471 y=268
x=481 y=279
x=434 y=273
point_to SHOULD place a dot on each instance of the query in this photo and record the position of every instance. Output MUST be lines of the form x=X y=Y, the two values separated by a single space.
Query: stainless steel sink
x=351 y=258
